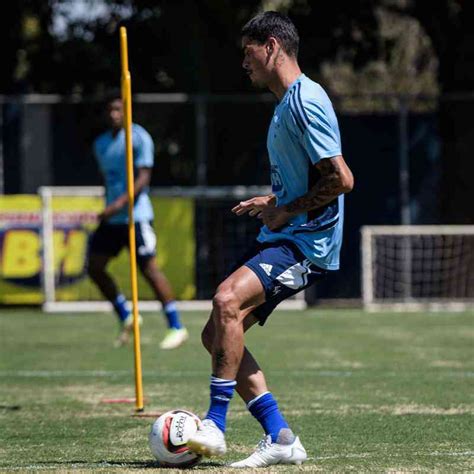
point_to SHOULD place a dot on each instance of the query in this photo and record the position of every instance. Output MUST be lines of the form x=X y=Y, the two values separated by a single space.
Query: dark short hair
x=271 y=23
x=112 y=96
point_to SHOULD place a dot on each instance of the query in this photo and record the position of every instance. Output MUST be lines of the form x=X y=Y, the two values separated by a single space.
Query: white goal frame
x=371 y=304
x=50 y=305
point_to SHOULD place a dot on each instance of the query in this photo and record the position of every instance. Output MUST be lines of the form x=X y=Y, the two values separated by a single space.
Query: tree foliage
x=193 y=45
x=401 y=46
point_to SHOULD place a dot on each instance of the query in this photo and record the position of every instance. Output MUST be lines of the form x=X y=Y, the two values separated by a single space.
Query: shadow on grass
x=126 y=464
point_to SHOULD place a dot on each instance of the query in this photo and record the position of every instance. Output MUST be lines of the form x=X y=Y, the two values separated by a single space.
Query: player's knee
x=146 y=267
x=225 y=305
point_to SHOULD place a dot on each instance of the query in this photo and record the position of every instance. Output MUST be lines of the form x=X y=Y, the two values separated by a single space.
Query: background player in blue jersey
x=112 y=234
x=298 y=244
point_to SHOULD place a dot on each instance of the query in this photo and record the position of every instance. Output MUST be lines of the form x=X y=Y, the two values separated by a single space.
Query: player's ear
x=271 y=45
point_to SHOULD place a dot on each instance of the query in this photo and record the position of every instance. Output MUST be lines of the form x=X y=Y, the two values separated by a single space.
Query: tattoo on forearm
x=326 y=189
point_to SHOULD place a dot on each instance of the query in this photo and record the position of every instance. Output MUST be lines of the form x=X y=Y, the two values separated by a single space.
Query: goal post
x=416 y=268
x=214 y=237
x=65 y=210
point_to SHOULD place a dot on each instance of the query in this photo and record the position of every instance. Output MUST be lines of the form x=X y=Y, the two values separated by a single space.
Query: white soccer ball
x=169 y=435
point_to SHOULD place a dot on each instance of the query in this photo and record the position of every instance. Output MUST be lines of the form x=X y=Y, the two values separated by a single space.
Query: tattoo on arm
x=329 y=186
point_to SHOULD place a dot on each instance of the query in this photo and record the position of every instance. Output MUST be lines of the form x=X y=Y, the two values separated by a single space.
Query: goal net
x=418 y=267
x=198 y=240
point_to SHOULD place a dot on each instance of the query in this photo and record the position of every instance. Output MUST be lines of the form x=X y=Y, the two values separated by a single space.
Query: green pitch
x=383 y=392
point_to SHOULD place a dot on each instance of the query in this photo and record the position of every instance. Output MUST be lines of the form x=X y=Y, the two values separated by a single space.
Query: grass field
x=381 y=392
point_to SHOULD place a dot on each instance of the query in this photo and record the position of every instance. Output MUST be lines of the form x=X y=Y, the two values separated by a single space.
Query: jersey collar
x=291 y=86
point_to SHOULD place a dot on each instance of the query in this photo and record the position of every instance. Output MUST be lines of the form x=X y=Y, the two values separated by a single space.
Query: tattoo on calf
x=220 y=358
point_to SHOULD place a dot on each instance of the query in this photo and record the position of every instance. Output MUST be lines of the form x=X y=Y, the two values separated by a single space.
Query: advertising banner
x=74 y=220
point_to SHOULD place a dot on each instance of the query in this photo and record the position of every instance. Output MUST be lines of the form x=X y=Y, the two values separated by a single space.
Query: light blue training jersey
x=303 y=131
x=110 y=154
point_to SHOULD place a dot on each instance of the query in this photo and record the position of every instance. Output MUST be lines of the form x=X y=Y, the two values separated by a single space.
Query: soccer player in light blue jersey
x=112 y=234
x=298 y=244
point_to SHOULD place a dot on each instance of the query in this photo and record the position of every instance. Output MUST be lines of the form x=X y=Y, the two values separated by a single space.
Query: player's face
x=256 y=62
x=115 y=114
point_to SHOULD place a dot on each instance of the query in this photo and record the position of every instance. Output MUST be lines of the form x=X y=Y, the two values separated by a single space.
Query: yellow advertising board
x=74 y=221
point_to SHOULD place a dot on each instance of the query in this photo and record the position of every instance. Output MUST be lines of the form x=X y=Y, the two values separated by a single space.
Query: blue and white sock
x=222 y=391
x=265 y=409
x=172 y=315
x=121 y=307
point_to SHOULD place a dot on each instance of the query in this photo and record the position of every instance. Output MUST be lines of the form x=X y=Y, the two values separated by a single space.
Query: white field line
x=122 y=373
x=181 y=373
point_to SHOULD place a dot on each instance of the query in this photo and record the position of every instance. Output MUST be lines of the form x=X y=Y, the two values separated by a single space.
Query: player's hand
x=108 y=212
x=113 y=208
x=104 y=215
x=254 y=206
x=274 y=217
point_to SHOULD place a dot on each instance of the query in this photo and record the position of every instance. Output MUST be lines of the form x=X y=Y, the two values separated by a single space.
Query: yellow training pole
x=127 y=105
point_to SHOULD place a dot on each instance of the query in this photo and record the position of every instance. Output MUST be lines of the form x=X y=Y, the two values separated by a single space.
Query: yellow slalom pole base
x=118 y=400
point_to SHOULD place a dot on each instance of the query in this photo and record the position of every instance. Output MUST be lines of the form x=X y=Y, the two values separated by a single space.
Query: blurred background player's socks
x=222 y=391
x=172 y=315
x=121 y=307
x=265 y=409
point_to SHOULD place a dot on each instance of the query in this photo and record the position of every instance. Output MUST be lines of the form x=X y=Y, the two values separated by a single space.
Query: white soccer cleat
x=208 y=440
x=269 y=454
x=128 y=323
x=126 y=330
x=174 y=338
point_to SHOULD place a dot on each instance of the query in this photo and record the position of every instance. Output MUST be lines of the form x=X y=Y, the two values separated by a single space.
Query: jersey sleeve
x=143 y=149
x=321 y=137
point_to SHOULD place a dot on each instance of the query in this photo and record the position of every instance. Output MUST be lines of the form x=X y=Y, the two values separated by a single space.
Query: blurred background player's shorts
x=110 y=239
